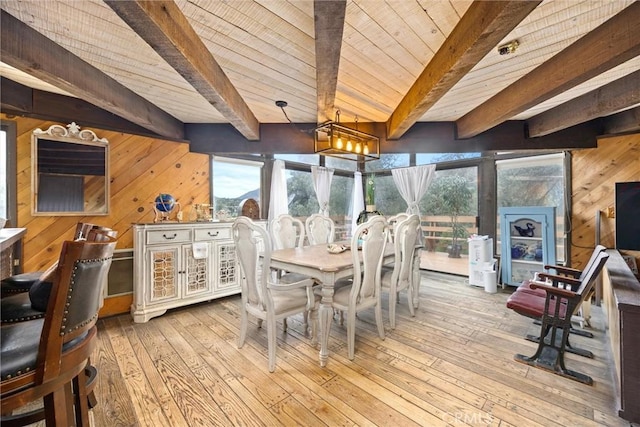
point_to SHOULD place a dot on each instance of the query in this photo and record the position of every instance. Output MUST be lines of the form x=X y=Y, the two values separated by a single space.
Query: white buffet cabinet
x=176 y=264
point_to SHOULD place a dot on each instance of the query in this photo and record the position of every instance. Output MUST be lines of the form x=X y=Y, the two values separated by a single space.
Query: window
x=534 y=181
x=8 y=185
x=387 y=162
x=343 y=164
x=302 y=197
x=303 y=201
x=438 y=208
x=309 y=159
x=387 y=197
x=428 y=158
x=340 y=201
x=234 y=180
x=4 y=196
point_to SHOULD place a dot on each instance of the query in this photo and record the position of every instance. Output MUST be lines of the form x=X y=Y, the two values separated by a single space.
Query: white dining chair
x=320 y=229
x=400 y=277
x=393 y=221
x=263 y=295
x=362 y=291
x=287 y=232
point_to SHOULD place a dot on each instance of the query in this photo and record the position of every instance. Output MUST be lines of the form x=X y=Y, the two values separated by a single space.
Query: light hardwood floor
x=450 y=365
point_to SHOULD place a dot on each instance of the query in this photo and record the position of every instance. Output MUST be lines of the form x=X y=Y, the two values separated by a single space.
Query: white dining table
x=327 y=268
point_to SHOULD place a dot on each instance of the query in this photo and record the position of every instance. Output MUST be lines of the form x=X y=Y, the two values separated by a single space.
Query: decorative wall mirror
x=69 y=172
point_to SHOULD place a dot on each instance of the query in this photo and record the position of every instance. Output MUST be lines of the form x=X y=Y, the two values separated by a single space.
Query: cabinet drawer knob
x=213 y=234
x=170 y=238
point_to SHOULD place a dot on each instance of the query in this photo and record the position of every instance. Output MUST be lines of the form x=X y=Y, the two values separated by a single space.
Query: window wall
x=535 y=181
x=524 y=181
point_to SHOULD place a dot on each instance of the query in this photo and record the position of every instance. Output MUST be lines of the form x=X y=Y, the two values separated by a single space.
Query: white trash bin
x=490 y=277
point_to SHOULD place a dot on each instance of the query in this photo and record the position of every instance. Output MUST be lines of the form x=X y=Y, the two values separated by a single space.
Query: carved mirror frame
x=69 y=172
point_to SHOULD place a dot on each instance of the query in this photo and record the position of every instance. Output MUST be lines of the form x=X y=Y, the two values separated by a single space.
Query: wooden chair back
x=589 y=276
x=75 y=296
x=572 y=272
x=592 y=261
x=66 y=337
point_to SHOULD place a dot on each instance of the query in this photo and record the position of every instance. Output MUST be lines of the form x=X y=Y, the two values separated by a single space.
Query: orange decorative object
x=250 y=208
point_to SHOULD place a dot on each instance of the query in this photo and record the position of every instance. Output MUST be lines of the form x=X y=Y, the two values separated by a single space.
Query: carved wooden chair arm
x=553 y=290
x=556 y=280
x=575 y=273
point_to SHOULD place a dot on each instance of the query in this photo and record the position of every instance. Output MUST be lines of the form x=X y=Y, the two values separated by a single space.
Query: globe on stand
x=164 y=205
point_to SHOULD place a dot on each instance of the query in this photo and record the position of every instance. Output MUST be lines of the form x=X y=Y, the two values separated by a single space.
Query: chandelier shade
x=333 y=139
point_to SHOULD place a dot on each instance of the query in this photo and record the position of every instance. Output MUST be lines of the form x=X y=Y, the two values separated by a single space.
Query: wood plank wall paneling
x=594 y=174
x=140 y=169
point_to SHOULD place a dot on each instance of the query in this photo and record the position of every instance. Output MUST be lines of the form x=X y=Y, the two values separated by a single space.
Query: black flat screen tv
x=627 y=211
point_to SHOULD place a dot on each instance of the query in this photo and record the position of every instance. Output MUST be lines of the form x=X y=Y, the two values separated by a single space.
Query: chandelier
x=333 y=139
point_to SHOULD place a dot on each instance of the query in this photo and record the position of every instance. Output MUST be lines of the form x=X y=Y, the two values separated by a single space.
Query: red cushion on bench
x=529 y=304
x=526 y=287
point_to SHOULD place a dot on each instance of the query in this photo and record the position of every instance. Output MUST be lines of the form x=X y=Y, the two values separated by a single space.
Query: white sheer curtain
x=357 y=200
x=412 y=183
x=321 y=178
x=278 y=204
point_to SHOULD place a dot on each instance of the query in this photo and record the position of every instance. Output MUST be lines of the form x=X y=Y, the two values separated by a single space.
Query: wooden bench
x=561 y=300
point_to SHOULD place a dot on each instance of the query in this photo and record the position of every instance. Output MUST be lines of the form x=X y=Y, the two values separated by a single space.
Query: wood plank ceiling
x=161 y=64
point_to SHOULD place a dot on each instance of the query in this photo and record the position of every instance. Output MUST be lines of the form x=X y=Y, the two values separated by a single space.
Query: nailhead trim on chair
x=63 y=327
x=14 y=291
x=22 y=319
x=17 y=374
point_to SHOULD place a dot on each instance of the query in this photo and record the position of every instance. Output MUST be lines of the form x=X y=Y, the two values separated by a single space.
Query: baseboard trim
x=116 y=305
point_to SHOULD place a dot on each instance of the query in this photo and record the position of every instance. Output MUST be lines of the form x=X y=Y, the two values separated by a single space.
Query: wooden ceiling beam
x=612 y=43
x=19 y=100
x=480 y=29
x=604 y=101
x=165 y=28
x=627 y=121
x=14 y=97
x=29 y=51
x=329 y=26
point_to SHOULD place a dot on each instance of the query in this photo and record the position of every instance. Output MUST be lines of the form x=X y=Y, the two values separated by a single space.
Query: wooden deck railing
x=437 y=230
